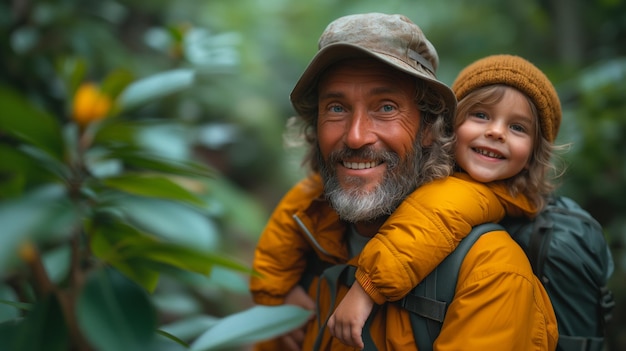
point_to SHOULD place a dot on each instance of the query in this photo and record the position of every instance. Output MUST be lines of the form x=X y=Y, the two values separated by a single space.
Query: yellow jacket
x=499 y=303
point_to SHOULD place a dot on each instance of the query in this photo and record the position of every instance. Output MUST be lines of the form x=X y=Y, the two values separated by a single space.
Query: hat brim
x=339 y=51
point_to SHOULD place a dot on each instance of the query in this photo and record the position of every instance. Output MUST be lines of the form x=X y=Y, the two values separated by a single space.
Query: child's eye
x=518 y=128
x=479 y=115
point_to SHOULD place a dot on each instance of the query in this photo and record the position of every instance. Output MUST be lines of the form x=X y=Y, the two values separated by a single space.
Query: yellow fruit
x=27 y=252
x=90 y=104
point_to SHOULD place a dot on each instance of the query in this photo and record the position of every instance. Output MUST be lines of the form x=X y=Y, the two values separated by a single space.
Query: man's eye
x=388 y=108
x=336 y=109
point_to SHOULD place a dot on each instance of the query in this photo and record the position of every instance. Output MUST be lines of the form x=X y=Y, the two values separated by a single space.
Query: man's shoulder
x=304 y=192
x=305 y=199
x=495 y=253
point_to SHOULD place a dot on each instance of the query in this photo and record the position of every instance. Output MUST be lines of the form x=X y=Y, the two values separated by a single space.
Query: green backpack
x=568 y=252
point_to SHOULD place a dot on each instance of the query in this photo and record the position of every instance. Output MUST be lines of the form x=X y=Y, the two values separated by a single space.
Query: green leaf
x=152 y=186
x=175 y=222
x=42 y=214
x=19 y=118
x=43 y=328
x=185 y=258
x=116 y=81
x=155 y=87
x=57 y=262
x=135 y=144
x=117 y=132
x=107 y=242
x=72 y=71
x=137 y=254
x=8 y=331
x=13 y=172
x=16 y=306
x=9 y=305
x=254 y=324
x=114 y=313
x=46 y=161
x=142 y=257
x=173 y=338
x=243 y=212
x=140 y=271
x=190 y=327
x=151 y=162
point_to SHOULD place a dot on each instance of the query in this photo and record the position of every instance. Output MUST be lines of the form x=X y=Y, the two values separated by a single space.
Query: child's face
x=495 y=142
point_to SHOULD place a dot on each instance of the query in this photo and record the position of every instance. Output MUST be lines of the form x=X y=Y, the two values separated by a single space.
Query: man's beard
x=357 y=205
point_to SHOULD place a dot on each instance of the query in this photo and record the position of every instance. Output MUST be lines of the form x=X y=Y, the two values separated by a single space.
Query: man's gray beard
x=355 y=205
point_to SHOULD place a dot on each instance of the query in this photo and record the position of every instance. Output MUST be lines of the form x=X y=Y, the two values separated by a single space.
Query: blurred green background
x=218 y=103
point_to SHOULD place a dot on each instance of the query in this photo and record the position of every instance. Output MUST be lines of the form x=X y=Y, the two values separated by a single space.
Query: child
x=507 y=119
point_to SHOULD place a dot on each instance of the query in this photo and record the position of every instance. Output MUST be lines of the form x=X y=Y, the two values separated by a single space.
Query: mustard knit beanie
x=516 y=72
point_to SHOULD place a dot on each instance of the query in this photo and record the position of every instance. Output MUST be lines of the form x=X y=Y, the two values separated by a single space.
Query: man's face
x=367 y=126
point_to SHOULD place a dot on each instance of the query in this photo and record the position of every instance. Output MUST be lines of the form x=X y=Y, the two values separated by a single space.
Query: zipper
x=308 y=233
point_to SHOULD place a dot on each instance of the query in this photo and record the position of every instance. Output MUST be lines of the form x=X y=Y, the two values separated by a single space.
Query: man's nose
x=359 y=132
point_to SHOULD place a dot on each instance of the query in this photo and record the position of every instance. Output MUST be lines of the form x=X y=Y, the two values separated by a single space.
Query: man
x=379 y=125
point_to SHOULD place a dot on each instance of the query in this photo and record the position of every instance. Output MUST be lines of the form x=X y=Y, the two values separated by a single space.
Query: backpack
x=568 y=252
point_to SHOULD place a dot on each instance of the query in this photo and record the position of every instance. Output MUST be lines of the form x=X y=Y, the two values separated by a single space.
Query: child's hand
x=346 y=323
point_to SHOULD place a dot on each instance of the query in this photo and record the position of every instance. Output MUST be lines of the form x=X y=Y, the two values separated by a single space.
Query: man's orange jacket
x=499 y=304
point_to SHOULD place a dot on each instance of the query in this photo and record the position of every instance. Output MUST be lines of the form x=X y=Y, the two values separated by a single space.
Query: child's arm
x=347 y=322
x=424 y=230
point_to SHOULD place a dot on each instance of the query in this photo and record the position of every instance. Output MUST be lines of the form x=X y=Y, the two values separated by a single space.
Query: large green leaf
x=185 y=258
x=57 y=262
x=8 y=304
x=191 y=327
x=254 y=324
x=154 y=145
x=155 y=87
x=43 y=214
x=114 y=313
x=45 y=161
x=167 y=342
x=142 y=258
x=43 y=328
x=143 y=160
x=21 y=119
x=152 y=186
x=241 y=210
x=14 y=171
x=71 y=70
x=175 y=222
x=140 y=271
x=107 y=243
x=116 y=81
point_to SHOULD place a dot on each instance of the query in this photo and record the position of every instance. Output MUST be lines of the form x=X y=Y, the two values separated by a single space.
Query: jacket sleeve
x=279 y=257
x=426 y=227
x=499 y=304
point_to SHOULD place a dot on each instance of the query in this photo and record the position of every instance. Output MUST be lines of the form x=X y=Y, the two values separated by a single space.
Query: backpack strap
x=580 y=343
x=428 y=302
x=334 y=276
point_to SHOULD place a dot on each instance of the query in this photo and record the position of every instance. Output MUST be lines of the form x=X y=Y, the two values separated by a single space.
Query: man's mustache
x=366 y=153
